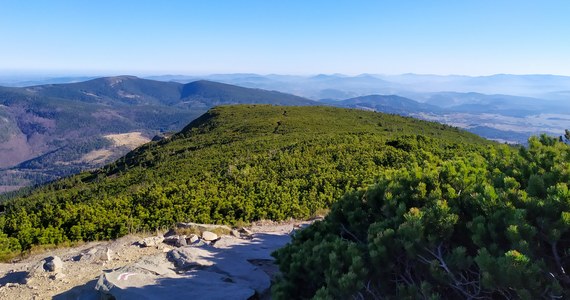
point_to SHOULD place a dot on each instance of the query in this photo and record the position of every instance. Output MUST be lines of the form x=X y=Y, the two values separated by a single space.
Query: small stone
x=193 y=239
x=152 y=241
x=209 y=236
x=53 y=264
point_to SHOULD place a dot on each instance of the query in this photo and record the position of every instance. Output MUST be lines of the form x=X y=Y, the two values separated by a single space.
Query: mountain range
x=339 y=86
x=54 y=130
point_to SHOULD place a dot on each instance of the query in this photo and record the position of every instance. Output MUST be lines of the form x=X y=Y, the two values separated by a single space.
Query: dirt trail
x=83 y=265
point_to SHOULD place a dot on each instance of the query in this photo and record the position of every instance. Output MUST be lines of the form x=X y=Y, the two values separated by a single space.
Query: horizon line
x=61 y=74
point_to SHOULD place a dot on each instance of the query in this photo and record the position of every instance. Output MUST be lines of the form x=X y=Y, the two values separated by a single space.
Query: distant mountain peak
x=222 y=93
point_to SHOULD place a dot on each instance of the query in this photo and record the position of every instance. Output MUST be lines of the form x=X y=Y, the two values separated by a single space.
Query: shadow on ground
x=241 y=270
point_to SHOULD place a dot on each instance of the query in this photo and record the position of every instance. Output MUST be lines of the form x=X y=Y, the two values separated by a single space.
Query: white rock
x=209 y=236
x=190 y=257
x=152 y=241
x=105 y=254
x=193 y=239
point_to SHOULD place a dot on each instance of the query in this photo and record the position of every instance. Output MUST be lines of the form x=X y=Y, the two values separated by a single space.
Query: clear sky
x=144 y=37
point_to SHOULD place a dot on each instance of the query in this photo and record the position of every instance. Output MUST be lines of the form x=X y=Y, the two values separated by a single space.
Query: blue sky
x=143 y=37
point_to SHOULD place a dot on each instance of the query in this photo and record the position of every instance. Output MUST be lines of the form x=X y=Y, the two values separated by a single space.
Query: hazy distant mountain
x=335 y=86
x=319 y=86
x=519 y=85
x=408 y=85
x=503 y=104
x=21 y=81
x=209 y=93
x=53 y=130
x=503 y=118
x=387 y=104
x=129 y=90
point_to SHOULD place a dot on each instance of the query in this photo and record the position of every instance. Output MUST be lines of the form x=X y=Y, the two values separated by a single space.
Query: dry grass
x=97 y=156
x=37 y=249
x=195 y=230
x=130 y=139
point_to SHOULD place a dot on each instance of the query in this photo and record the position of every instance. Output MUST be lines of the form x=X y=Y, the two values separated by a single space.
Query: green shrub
x=466 y=228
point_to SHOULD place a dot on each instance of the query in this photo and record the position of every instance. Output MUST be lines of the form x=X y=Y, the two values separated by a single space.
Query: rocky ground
x=210 y=262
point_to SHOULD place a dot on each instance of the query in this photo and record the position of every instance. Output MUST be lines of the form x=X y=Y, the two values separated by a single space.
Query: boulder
x=181 y=242
x=171 y=239
x=235 y=233
x=209 y=236
x=95 y=254
x=152 y=241
x=232 y=269
x=105 y=254
x=190 y=257
x=53 y=264
x=133 y=283
x=246 y=232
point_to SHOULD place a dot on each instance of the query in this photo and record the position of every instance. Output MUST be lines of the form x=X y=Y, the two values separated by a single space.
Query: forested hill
x=213 y=93
x=245 y=162
x=55 y=130
x=388 y=104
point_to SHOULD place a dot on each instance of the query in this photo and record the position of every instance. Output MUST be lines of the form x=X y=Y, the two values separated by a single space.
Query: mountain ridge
x=388 y=104
x=233 y=164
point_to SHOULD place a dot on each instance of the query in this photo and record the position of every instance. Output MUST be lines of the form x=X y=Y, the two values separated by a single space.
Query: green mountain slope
x=56 y=130
x=128 y=90
x=245 y=162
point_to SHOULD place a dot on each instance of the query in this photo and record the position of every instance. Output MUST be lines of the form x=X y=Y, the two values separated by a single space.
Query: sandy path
x=82 y=274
